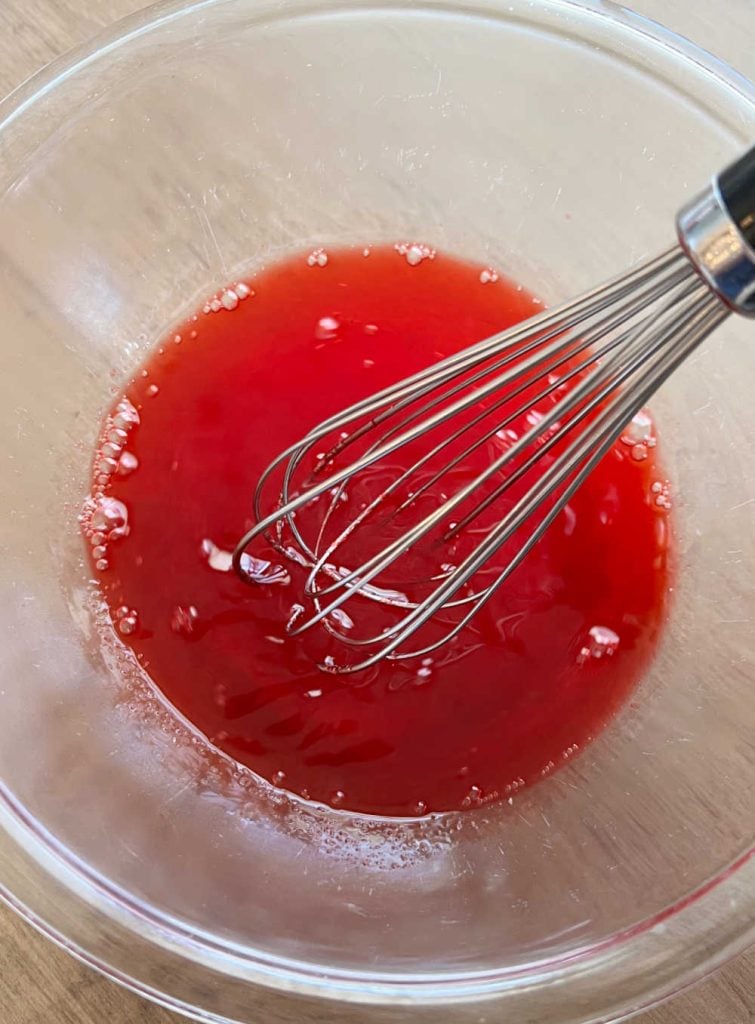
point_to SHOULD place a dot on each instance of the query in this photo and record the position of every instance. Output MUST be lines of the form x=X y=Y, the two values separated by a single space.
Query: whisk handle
x=717 y=232
x=737 y=187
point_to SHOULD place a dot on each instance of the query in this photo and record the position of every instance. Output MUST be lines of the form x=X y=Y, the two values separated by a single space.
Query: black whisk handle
x=737 y=187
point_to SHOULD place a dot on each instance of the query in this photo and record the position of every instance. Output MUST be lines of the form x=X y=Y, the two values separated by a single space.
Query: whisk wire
x=568 y=315
x=594 y=361
x=615 y=419
x=600 y=374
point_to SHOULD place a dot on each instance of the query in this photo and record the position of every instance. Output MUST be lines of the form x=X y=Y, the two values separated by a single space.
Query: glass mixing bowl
x=552 y=139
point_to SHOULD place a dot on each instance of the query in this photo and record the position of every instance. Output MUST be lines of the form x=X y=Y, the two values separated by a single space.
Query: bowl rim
x=699 y=933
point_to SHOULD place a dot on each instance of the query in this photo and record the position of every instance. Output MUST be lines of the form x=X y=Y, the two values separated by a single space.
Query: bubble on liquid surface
x=601 y=642
x=424 y=672
x=243 y=290
x=327 y=328
x=217 y=558
x=473 y=798
x=128 y=625
x=183 y=619
x=661 y=492
x=126 y=620
x=109 y=517
x=126 y=415
x=638 y=435
x=127 y=463
x=230 y=299
x=317 y=258
x=414 y=253
x=488 y=276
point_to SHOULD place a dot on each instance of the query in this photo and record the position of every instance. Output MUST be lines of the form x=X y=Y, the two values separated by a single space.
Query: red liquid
x=244 y=383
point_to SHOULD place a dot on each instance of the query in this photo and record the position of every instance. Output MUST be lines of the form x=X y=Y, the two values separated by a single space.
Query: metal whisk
x=578 y=374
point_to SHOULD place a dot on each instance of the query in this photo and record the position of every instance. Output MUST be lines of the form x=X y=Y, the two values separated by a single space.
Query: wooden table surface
x=39 y=984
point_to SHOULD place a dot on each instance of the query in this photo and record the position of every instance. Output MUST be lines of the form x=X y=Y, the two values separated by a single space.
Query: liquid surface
x=537 y=674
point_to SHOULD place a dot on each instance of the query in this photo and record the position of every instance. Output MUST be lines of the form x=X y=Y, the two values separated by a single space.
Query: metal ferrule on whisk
x=717 y=232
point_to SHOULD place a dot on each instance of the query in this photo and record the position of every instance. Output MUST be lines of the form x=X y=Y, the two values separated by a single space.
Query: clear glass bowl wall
x=554 y=140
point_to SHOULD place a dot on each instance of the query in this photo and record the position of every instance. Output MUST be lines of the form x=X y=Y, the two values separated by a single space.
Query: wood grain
x=40 y=984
